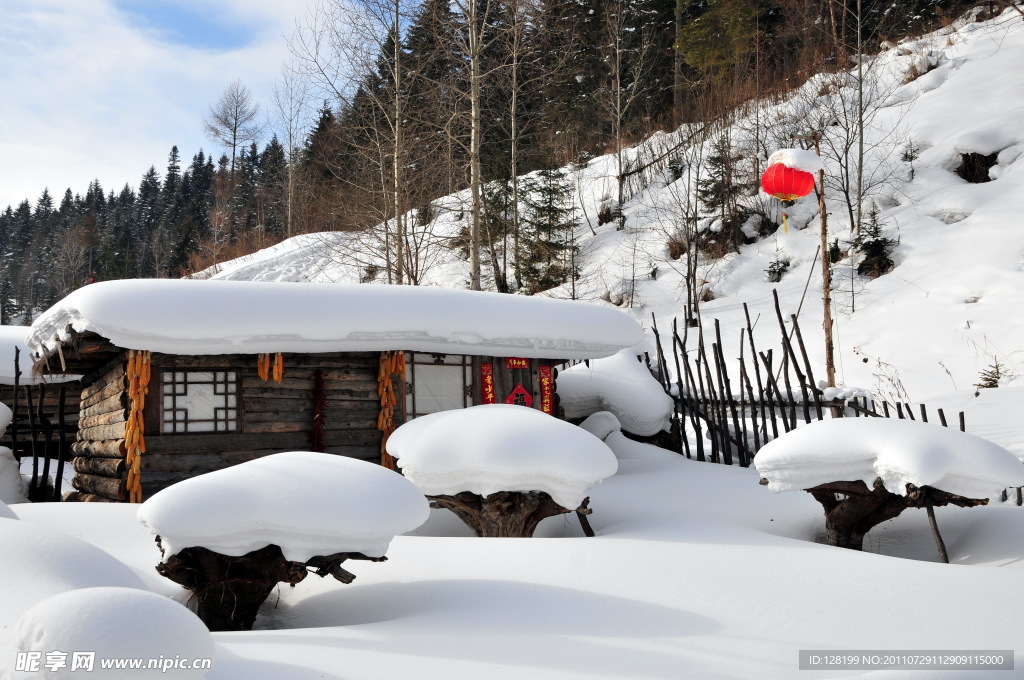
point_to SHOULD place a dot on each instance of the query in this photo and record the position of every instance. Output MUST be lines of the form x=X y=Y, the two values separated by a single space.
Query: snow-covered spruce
x=268 y=520
x=116 y=623
x=865 y=471
x=619 y=384
x=501 y=468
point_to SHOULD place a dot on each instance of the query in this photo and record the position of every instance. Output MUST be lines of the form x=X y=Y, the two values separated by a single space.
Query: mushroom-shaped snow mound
x=900 y=452
x=6 y=416
x=307 y=503
x=501 y=447
x=37 y=562
x=117 y=623
x=619 y=384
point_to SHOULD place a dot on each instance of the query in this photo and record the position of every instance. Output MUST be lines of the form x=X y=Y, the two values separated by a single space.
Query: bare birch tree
x=291 y=107
x=340 y=45
x=232 y=121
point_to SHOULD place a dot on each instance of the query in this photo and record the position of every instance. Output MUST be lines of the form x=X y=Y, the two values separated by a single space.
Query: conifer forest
x=388 y=105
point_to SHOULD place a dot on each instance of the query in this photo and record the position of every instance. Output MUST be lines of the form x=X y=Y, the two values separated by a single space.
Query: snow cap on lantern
x=789 y=174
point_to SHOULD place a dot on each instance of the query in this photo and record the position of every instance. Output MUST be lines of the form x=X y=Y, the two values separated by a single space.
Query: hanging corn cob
x=391 y=364
x=278 y=367
x=135 y=445
x=263 y=366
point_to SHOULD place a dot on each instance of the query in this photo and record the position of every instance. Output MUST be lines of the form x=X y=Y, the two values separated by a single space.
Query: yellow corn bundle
x=391 y=364
x=263 y=366
x=138 y=387
x=278 y=367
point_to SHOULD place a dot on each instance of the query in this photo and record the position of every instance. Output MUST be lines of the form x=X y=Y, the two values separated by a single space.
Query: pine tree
x=145 y=221
x=717 y=190
x=245 y=213
x=547 y=253
x=272 y=188
x=196 y=201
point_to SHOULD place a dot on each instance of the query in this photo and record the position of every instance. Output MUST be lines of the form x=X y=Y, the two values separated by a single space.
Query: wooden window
x=199 y=401
x=437 y=382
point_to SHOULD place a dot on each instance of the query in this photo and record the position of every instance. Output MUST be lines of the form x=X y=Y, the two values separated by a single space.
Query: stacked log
x=99 y=453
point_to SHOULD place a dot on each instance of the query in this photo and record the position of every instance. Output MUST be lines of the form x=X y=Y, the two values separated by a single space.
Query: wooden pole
x=35 y=452
x=757 y=370
x=681 y=400
x=691 y=388
x=943 y=555
x=14 y=407
x=47 y=426
x=826 y=273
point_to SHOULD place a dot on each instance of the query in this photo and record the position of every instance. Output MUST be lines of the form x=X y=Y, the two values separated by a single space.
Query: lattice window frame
x=414 y=359
x=175 y=418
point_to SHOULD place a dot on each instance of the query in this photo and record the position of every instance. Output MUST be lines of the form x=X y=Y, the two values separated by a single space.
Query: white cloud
x=85 y=93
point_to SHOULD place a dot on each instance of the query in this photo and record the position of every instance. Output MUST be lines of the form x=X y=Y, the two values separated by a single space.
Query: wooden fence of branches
x=732 y=413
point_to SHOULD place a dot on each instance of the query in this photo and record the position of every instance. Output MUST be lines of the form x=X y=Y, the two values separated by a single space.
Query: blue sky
x=198 y=26
x=101 y=89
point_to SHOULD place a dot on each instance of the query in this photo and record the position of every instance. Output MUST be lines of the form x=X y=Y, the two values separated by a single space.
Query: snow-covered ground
x=696 y=572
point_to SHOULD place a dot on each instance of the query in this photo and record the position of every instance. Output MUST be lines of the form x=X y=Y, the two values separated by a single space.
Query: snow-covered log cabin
x=183 y=377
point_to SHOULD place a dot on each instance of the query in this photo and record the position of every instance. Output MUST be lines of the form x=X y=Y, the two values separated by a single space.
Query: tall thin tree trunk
x=475 y=180
x=397 y=156
x=826 y=274
x=860 y=124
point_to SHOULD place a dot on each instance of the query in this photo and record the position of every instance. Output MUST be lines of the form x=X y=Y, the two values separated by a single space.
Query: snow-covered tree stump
x=505 y=514
x=502 y=469
x=852 y=509
x=231 y=536
x=907 y=464
x=229 y=590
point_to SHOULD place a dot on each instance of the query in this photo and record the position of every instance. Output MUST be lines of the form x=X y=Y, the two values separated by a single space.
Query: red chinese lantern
x=785 y=183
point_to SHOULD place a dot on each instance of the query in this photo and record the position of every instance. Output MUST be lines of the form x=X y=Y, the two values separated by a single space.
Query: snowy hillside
x=949 y=309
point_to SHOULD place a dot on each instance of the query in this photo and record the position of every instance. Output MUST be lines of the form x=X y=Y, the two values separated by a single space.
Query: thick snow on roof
x=116 y=623
x=501 y=447
x=620 y=384
x=225 y=317
x=798 y=159
x=897 y=451
x=307 y=503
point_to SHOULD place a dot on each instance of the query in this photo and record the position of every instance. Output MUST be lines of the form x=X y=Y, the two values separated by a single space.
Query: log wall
x=273 y=417
x=99 y=452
